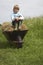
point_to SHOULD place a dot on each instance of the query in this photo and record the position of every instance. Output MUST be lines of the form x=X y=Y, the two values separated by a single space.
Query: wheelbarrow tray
x=12 y=35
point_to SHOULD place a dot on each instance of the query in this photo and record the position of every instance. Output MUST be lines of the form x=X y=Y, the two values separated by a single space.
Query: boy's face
x=16 y=10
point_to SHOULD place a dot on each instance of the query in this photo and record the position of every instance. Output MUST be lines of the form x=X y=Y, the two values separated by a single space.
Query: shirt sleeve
x=12 y=17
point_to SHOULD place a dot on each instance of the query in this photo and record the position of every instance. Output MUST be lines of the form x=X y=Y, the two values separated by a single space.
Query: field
x=32 y=51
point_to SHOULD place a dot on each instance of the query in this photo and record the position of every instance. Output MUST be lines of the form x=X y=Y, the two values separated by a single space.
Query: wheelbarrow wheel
x=20 y=42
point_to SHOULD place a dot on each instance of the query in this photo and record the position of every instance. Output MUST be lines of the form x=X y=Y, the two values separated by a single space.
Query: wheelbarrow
x=16 y=37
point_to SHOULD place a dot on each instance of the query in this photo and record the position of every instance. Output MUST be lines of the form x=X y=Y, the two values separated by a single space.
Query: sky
x=29 y=8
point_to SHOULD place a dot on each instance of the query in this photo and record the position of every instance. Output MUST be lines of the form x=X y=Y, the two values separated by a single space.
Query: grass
x=32 y=51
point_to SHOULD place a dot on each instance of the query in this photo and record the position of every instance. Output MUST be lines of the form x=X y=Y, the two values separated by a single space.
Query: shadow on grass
x=4 y=45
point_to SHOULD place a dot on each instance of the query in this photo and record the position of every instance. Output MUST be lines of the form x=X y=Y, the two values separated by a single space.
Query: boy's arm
x=21 y=17
x=12 y=17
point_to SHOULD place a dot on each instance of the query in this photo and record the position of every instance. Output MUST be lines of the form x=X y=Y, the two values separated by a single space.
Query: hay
x=23 y=27
x=6 y=26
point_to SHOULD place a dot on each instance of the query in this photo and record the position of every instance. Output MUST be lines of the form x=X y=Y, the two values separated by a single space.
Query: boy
x=17 y=18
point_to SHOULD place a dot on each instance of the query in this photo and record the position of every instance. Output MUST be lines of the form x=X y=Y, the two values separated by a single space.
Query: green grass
x=32 y=51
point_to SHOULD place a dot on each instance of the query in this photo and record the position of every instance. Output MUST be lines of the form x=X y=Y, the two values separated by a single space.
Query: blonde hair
x=16 y=7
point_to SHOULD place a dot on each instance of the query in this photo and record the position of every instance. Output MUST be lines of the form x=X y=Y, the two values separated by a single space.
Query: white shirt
x=14 y=15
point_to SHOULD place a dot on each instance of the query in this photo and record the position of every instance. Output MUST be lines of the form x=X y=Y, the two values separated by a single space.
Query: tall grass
x=32 y=51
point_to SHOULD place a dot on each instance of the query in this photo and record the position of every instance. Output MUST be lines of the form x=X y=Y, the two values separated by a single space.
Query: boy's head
x=15 y=8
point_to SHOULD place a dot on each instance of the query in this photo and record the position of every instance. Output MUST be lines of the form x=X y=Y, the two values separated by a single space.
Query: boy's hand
x=17 y=18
